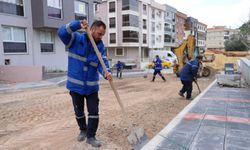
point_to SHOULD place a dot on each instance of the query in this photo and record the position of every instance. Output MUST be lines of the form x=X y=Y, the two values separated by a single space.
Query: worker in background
x=83 y=77
x=157 y=68
x=119 y=67
x=188 y=74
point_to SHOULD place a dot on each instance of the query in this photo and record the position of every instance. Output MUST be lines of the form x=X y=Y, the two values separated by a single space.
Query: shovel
x=137 y=138
x=195 y=81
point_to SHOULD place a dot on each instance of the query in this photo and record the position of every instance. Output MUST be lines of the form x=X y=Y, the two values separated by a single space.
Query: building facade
x=169 y=27
x=201 y=36
x=217 y=35
x=29 y=31
x=137 y=27
x=180 y=27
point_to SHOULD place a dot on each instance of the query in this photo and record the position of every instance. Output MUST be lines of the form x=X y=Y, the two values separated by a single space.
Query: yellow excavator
x=185 y=52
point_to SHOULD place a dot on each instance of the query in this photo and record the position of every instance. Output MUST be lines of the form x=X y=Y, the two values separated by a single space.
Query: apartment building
x=180 y=28
x=191 y=29
x=156 y=31
x=29 y=30
x=135 y=28
x=217 y=35
x=201 y=36
x=169 y=27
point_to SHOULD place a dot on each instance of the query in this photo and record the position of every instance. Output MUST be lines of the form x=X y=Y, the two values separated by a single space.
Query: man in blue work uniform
x=158 y=68
x=119 y=67
x=83 y=77
x=188 y=74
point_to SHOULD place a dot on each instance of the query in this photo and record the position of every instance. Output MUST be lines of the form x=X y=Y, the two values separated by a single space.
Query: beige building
x=217 y=35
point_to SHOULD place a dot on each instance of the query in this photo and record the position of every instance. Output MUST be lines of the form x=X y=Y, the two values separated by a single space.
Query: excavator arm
x=184 y=53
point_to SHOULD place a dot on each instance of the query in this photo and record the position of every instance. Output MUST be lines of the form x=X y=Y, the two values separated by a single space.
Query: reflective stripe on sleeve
x=68 y=28
x=71 y=41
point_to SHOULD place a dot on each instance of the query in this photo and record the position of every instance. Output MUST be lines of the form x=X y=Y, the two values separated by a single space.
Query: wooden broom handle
x=105 y=70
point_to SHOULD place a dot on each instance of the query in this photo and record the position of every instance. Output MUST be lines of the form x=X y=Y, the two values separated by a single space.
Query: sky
x=230 y=13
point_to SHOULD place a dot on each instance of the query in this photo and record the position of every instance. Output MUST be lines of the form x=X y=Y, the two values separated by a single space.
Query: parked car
x=165 y=64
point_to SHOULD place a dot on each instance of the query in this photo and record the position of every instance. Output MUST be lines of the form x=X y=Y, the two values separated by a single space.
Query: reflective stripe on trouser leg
x=93 y=116
x=78 y=104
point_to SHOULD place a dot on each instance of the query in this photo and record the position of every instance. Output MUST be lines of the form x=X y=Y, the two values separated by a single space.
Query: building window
x=167 y=27
x=159 y=14
x=130 y=20
x=167 y=38
x=159 y=38
x=14 y=7
x=130 y=5
x=159 y=26
x=130 y=36
x=14 y=40
x=81 y=10
x=96 y=6
x=144 y=7
x=153 y=27
x=119 y=52
x=111 y=6
x=173 y=26
x=46 y=41
x=112 y=38
x=144 y=24
x=112 y=22
x=55 y=8
x=144 y=38
x=153 y=13
x=153 y=39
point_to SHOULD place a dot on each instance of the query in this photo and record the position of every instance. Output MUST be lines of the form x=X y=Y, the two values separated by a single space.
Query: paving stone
x=236 y=105
x=238 y=133
x=209 y=137
x=198 y=109
x=232 y=147
x=237 y=142
x=177 y=141
x=242 y=113
x=216 y=111
x=237 y=126
x=220 y=124
x=188 y=125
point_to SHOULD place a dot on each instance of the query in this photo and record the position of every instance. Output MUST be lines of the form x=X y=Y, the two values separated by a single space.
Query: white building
x=135 y=28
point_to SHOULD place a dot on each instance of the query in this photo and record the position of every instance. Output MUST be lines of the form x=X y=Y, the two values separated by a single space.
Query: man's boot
x=94 y=142
x=82 y=135
x=163 y=79
x=153 y=79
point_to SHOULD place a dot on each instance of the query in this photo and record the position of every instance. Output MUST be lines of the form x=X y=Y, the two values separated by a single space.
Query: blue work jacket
x=83 y=63
x=189 y=70
x=157 y=64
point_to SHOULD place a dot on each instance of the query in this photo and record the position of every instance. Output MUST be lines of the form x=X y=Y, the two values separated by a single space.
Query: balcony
x=44 y=16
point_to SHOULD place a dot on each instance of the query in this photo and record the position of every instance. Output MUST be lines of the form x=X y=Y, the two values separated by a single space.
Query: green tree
x=245 y=29
x=235 y=44
x=239 y=42
x=245 y=34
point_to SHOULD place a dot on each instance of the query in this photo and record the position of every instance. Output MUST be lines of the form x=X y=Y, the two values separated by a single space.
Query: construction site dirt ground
x=44 y=118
